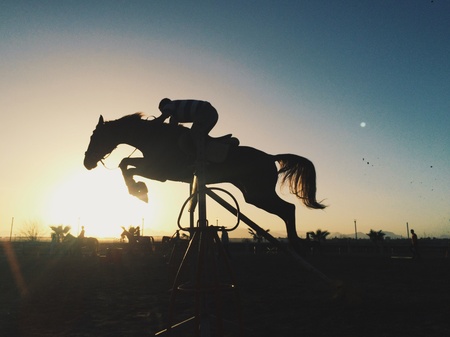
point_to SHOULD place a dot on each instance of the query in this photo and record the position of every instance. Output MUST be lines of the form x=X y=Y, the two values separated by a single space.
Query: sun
x=99 y=201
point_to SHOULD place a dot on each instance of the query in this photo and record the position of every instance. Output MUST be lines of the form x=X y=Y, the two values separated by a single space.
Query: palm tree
x=315 y=239
x=376 y=236
x=319 y=235
x=60 y=232
x=257 y=238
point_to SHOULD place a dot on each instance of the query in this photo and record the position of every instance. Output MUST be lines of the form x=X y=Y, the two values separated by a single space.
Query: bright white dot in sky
x=363 y=124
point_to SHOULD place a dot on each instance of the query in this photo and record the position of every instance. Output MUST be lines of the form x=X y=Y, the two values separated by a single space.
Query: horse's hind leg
x=286 y=211
x=263 y=195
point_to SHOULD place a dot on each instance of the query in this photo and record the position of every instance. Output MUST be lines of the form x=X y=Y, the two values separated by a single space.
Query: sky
x=361 y=88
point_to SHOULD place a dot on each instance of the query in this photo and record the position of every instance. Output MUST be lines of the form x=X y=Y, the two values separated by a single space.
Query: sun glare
x=99 y=201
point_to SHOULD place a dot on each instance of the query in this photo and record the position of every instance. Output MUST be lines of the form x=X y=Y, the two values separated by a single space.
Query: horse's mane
x=139 y=117
x=131 y=118
x=129 y=121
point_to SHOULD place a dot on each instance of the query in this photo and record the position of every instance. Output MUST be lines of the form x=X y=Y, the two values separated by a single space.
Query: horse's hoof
x=141 y=187
x=139 y=190
x=139 y=194
x=143 y=197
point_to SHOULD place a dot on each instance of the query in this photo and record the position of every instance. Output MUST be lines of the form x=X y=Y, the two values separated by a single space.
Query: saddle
x=217 y=148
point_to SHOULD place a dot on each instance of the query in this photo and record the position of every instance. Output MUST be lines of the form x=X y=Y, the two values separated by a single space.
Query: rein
x=105 y=157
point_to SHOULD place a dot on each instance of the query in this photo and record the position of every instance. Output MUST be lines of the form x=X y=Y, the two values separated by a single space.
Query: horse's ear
x=100 y=121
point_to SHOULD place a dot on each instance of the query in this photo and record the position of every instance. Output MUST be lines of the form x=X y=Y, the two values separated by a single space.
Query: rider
x=81 y=235
x=201 y=114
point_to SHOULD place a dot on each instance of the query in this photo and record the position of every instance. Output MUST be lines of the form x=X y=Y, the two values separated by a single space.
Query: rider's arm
x=167 y=108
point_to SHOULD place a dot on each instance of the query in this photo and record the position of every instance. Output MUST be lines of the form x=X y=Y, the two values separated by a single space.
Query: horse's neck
x=148 y=137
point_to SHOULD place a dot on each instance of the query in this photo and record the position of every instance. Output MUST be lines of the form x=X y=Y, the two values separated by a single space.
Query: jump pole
x=302 y=262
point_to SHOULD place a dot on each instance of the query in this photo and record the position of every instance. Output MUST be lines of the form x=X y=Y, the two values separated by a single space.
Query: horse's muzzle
x=89 y=164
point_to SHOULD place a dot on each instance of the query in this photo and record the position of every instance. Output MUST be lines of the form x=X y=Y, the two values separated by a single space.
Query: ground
x=374 y=296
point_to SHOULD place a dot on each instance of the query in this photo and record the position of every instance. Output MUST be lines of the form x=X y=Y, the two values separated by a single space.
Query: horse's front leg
x=137 y=189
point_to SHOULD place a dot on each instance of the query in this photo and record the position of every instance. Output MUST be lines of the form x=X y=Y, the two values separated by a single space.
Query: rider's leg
x=203 y=120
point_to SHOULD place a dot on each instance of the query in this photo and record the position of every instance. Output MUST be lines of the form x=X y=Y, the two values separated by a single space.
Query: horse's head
x=68 y=237
x=101 y=144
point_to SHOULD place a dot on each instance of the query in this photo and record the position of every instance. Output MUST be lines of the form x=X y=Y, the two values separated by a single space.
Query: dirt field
x=67 y=296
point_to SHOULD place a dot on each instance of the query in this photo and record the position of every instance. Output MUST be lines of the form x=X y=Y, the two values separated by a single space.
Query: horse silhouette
x=169 y=154
x=76 y=246
x=132 y=238
x=142 y=244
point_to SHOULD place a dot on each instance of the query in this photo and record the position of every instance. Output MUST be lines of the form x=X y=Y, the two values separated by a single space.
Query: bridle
x=103 y=163
x=106 y=156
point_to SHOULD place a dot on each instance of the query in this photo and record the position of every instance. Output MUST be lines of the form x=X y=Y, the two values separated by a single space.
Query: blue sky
x=285 y=76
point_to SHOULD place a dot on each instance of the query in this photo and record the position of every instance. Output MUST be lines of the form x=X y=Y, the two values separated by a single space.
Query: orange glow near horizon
x=99 y=201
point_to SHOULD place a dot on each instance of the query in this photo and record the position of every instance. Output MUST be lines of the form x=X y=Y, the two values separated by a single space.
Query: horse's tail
x=300 y=173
